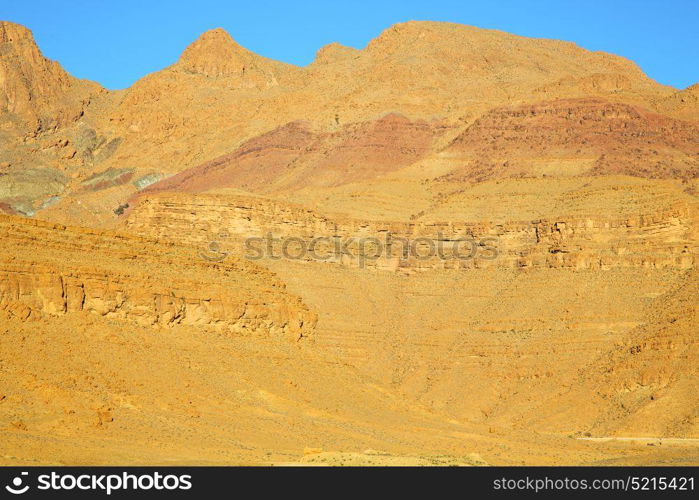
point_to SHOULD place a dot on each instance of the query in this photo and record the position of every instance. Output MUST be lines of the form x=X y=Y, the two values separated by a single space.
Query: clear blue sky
x=117 y=42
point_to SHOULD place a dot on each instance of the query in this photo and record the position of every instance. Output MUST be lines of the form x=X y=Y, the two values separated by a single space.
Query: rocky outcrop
x=334 y=53
x=683 y=104
x=215 y=54
x=35 y=91
x=51 y=270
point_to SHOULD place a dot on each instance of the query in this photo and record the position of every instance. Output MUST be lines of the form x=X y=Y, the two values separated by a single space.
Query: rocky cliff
x=49 y=270
x=663 y=239
x=36 y=94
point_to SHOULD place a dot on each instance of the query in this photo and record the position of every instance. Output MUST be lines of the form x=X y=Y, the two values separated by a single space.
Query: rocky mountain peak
x=334 y=52
x=11 y=32
x=214 y=54
x=33 y=88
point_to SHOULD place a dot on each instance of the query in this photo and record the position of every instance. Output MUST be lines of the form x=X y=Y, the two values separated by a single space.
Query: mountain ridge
x=218 y=95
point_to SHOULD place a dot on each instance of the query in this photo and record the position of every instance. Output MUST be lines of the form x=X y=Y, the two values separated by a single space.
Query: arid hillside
x=454 y=246
x=66 y=138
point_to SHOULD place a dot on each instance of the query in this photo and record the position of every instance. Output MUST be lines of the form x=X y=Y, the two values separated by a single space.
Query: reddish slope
x=616 y=138
x=294 y=156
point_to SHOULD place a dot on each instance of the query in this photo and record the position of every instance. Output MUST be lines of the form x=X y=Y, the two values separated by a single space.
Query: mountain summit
x=215 y=54
x=11 y=32
x=33 y=89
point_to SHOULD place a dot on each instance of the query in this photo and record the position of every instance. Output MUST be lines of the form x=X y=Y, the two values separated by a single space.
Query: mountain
x=219 y=95
x=41 y=107
x=37 y=94
x=469 y=247
x=596 y=136
x=216 y=55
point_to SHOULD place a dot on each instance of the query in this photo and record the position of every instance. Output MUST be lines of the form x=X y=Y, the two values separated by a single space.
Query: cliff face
x=35 y=92
x=62 y=271
x=663 y=239
x=558 y=331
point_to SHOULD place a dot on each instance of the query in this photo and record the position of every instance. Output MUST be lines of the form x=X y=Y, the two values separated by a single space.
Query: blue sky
x=118 y=42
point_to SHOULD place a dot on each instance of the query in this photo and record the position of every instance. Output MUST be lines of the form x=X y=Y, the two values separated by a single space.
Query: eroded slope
x=51 y=270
